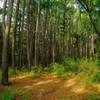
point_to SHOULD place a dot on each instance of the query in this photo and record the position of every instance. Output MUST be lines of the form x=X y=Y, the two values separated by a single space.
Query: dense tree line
x=42 y=32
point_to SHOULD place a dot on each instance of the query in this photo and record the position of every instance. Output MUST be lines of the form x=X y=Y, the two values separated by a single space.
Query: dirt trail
x=49 y=87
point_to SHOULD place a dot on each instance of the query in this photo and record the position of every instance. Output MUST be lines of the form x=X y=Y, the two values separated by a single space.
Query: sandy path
x=50 y=87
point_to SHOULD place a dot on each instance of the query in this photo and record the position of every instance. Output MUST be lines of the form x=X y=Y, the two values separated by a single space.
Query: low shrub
x=9 y=93
x=71 y=64
x=88 y=66
x=88 y=69
x=91 y=71
x=59 y=70
x=37 y=69
x=7 y=97
x=95 y=77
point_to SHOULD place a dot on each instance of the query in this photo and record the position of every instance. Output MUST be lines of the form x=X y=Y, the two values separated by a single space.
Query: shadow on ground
x=50 y=87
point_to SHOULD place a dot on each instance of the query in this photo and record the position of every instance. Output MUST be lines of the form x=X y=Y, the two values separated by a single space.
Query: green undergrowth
x=69 y=67
x=34 y=72
x=91 y=96
x=87 y=70
x=60 y=70
x=90 y=72
x=84 y=96
x=9 y=93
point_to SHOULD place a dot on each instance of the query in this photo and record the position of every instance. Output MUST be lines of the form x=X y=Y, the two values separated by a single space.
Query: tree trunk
x=28 y=35
x=14 y=35
x=21 y=34
x=6 y=21
x=37 y=30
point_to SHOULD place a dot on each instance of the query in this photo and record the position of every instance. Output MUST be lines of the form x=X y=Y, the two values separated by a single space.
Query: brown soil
x=50 y=87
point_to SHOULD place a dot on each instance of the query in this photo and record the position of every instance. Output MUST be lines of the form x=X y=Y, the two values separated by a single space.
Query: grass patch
x=71 y=64
x=9 y=93
x=85 y=96
x=91 y=96
x=90 y=72
x=87 y=70
x=60 y=70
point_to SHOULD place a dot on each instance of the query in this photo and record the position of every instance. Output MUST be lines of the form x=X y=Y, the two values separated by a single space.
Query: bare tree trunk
x=28 y=35
x=92 y=44
x=53 y=46
x=19 y=46
x=37 y=30
x=32 y=32
x=21 y=34
x=53 y=39
x=28 y=54
x=6 y=21
x=11 y=3
x=86 y=46
x=46 y=33
x=14 y=35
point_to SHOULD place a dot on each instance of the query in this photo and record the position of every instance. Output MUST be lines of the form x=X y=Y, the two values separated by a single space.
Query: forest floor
x=49 y=87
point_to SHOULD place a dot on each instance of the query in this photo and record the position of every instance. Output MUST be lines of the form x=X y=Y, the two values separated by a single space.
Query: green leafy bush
x=88 y=66
x=7 y=97
x=95 y=77
x=93 y=96
x=91 y=71
x=59 y=70
x=55 y=67
x=9 y=93
x=37 y=69
x=71 y=64
x=85 y=68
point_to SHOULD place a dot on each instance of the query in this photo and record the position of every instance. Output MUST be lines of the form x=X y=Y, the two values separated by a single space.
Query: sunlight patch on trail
x=43 y=82
x=79 y=90
x=20 y=77
x=39 y=83
x=51 y=87
x=70 y=82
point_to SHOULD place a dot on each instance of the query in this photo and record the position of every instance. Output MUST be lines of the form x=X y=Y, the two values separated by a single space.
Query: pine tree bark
x=36 y=33
x=46 y=33
x=14 y=35
x=6 y=23
x=21 y=34
x=28 y=35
